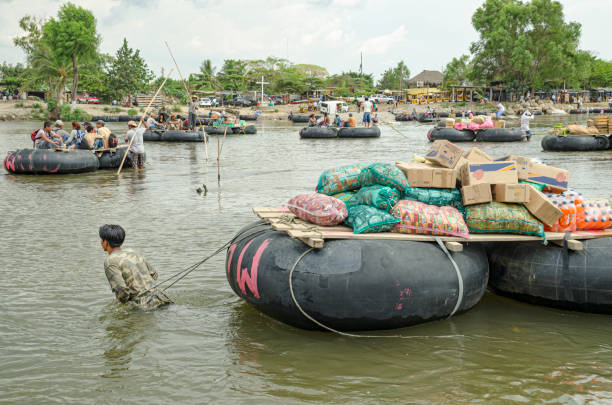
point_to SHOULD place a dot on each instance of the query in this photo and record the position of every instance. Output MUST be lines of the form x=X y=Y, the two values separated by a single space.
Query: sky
x=329 y=33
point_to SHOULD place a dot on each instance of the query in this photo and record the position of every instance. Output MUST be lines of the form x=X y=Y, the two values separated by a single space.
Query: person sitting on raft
x=325 y=122
x=375 y=119
x=152 y=123
x=338 y=121
x=47 y=139
x=59 y=131
x=76 y=136
x=130 y=276
x=312 y=120
x=104 y=131
x=174 y=123
x=92 y=140
x=352 y=123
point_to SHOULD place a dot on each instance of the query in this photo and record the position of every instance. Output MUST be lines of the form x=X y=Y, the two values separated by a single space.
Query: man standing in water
x=193 y=106
x=137 y=148
x=130 y=277
x=367 y=111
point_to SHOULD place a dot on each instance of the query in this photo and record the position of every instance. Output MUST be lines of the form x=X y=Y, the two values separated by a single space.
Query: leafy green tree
x=232 y=75
x=128 y=72
x=205 y=79
x=457 y=71
x=395 y=78
x=524 y=44
x=72 y=36
x=601 y=73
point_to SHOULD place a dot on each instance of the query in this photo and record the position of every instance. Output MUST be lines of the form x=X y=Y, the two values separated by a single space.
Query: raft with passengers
x=339 y=128
x=381 y=246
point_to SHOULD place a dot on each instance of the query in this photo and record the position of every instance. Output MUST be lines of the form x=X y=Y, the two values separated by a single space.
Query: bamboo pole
x=189 y=95
x=219 y=148
x=146 y=111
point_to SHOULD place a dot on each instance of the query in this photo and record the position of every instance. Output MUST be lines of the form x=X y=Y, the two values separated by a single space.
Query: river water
x=64 y=341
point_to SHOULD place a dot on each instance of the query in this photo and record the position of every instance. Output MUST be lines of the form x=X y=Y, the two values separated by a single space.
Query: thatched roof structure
x=428 y=77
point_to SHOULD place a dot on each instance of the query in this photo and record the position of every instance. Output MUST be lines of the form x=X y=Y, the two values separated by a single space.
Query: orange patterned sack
x=418 y=217
x=320 y=209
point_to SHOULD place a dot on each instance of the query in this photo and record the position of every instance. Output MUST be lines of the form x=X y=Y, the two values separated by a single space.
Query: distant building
x=427 y=78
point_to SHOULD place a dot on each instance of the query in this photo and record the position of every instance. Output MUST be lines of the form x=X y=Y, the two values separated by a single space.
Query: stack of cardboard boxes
x=483 y=179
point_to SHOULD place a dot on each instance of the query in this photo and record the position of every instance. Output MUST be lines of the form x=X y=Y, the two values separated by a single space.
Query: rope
x=330 y=329
x=459 y=278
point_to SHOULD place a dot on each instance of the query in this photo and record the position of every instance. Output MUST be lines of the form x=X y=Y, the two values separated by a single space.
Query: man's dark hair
x=366 y=99
x=113 y=234
x=89 y=128
x=46 y=124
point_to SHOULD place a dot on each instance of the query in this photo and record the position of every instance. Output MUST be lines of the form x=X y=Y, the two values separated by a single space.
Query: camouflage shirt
x=129 y=273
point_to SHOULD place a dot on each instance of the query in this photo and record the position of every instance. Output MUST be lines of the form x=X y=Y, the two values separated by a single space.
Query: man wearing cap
x=137 y=147
x=59 y=131
x=525 y=118
x=193 y=106
x=102 y=130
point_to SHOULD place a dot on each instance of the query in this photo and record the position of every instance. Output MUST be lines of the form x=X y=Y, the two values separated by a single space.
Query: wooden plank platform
x=313 y=235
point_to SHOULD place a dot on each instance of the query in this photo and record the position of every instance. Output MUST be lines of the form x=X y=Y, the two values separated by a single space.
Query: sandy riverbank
x=27 y=109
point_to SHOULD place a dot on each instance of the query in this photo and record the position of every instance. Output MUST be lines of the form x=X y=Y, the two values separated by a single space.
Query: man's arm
x=152 y=271
x=116 y=282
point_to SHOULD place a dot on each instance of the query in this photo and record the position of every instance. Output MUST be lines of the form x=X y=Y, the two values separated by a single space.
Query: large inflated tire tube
x=251 y=117
x=47 y=161
x=575 y=143
x=173 y=136
x=318 y=132
x=248 y=130
x=450 y=134
x=500 y=135
x=404 y=117
x=578 y=111
x=553 y=276
x=371 y=132
x=301 y=118
x=112 y=159
x=353 y=284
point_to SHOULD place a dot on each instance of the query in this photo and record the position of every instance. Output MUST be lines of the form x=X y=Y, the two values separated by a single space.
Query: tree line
x=527 y=45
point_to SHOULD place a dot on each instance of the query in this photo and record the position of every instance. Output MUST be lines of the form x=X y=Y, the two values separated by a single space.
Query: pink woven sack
x=319 y=209
x=421 y=218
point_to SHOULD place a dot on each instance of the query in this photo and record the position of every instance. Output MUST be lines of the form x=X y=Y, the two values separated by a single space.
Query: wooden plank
x=266 y=215
x=257 y=210
x=454 y=246
x=572 y=244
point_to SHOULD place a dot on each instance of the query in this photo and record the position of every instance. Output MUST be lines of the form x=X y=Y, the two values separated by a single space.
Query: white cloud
x=382 y=44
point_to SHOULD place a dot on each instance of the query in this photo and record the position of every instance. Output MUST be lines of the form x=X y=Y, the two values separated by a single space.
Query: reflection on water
x=62 y=339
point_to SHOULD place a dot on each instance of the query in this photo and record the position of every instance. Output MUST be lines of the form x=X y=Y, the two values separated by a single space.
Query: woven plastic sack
x=420 y=218
x=339 y=179
x=381 y=197
x=366 y=219
x=384 y=174
x=317 y=208
x=344 y=196
x=496 y=217
x=436 y=196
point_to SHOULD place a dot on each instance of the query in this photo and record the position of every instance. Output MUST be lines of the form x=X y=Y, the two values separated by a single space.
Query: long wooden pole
x=146 y=111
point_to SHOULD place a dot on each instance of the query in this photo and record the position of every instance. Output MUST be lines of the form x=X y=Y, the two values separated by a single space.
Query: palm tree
x=46 y=66
x=207 y=78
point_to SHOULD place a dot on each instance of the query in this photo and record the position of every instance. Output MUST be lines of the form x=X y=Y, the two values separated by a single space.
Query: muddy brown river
x=64 y=341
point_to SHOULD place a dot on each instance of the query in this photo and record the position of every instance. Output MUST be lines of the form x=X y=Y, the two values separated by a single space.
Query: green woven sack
x=440 y=197
x=381 y=197
x=344 y=196
x=339 y=179
x=384 y=174
x=496 y=217
x=366 y=219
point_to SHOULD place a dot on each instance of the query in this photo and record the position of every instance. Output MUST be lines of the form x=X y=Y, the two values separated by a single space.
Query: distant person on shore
x=46 y=139
x=553 y=98
x=59 y=131
x=130 y=276
x=193 y=107
x=312 y=120
x=525 y=119
x=500 y=109
x=610 y=102
x=367 y=112
x=580 y=103
x=137 y=148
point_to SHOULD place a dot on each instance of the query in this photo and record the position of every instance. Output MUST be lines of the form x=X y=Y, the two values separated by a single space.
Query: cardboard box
x=541 y=208
x=522 y=164
x=476 y=194
x=444 y=153
x=476 y=155
x=460 y=164
x=511 y=193
x=491 y=173
x=426 y=175
x=556 y=179
x=499 y=124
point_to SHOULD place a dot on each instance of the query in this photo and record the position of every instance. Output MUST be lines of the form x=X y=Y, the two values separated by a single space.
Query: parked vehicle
x=205 y=102
x=88 y=100
x=331 y=107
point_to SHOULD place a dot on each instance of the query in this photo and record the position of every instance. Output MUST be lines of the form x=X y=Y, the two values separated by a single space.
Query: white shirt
x=367 y=106
x=525 y=121
x=500 y=107
x=151 y=121
x=138 y=143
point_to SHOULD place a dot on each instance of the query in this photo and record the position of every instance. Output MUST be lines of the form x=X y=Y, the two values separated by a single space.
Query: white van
x=331 y=107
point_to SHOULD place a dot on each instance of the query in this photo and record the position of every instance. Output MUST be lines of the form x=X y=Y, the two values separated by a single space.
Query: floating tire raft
x=371 y=132
x=575 y=143
x=450 y=134
x=318 y=132
x=353 y=284
x=49 y=161
x=173 y=136
x=248 y=130
x=555 y=276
